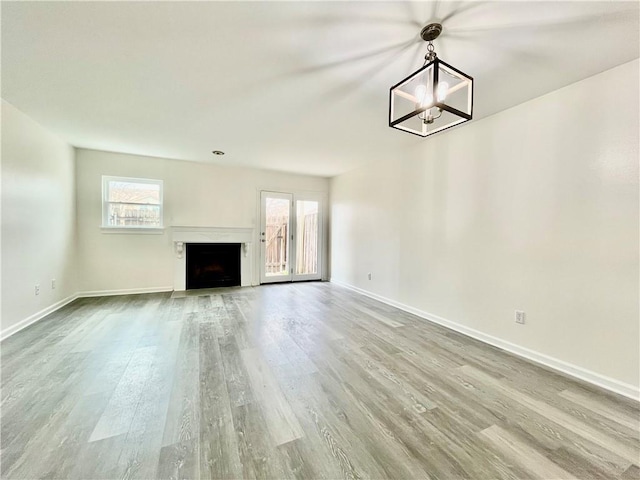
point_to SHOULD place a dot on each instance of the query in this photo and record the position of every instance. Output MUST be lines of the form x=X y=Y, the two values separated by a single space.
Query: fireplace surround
x=181 y=236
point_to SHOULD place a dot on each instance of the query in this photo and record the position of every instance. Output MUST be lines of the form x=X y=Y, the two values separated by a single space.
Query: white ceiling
x=294 y=86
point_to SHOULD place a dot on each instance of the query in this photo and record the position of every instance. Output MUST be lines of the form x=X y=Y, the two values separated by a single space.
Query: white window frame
x=105 y=203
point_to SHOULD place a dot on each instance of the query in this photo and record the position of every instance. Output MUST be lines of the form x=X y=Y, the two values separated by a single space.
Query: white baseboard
x=56 y=306
x=126 y=291
x=7 y=332
x=594 y=378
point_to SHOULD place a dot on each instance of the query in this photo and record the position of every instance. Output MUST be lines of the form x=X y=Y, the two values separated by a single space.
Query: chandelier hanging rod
x=429 y=34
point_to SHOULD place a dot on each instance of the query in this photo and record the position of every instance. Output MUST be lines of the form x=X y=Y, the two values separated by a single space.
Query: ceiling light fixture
x=218 y=152
x=433 y=98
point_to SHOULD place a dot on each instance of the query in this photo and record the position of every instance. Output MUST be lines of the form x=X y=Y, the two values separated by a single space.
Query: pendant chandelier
x=434 y=97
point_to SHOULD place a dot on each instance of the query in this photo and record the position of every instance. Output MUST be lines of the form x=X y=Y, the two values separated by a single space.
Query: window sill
x=133 y=230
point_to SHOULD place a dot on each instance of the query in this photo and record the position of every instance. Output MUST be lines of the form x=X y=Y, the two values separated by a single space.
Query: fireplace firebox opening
x=211 y=265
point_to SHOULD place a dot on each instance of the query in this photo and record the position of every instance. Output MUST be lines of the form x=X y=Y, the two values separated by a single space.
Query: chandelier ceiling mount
x=431 y=32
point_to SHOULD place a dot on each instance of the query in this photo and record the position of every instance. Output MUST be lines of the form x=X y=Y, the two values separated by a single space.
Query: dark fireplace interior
x=211 y=265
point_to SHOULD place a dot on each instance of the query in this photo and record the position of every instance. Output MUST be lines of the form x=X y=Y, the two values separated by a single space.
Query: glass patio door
x=290 y=237
x=307 y=239
x=275 y=237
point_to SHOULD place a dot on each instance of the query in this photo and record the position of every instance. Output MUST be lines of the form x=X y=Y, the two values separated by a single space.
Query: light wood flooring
x=291 y=381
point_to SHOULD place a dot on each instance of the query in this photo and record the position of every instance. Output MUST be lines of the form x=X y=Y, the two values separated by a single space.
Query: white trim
x=7 y=332
x=125 y=291
x=187 y=234
x=133 y=230
x=589 y=376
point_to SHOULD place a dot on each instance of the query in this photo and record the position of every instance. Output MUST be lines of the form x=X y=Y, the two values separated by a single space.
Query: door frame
x=294 y=195
x=263 y=245
x=294 y=208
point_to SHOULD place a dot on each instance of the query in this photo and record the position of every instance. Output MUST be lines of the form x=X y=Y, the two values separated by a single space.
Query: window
x=131 y=202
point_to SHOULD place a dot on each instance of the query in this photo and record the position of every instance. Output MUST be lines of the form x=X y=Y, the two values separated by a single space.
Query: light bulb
x=442 y=90
x=420 y=92
x=423 y=97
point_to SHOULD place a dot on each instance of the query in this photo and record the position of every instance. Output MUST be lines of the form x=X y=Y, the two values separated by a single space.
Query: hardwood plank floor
x=291 y=381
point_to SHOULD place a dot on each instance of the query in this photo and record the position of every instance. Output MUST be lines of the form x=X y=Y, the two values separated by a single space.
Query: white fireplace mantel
x=181 y=235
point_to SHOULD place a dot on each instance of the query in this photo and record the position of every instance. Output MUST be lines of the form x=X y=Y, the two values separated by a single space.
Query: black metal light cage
x=430 y=112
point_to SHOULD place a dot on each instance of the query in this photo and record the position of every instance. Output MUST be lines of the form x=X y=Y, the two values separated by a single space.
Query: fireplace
x=183 y=236
x=211 y=265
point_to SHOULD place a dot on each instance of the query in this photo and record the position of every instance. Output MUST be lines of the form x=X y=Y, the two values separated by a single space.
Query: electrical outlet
x=53 y=284
x=519 y=316
x=37 y=289
x=369 y=276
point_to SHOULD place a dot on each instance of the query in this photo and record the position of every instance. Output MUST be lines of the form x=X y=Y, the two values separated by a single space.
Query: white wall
x=38 y=219
x=195 y=194
x=535 y=208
